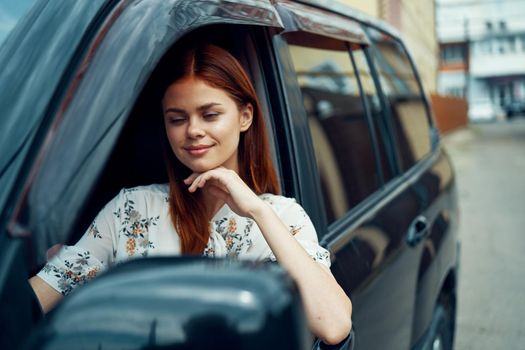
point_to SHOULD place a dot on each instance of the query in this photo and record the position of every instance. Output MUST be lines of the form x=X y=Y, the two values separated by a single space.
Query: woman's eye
x=210 y=115
x=176 y=120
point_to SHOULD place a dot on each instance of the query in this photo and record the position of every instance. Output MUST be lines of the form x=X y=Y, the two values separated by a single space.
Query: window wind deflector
x=316 y=28
x=252 y=12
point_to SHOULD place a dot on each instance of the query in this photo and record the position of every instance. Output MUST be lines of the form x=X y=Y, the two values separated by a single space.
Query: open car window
x=105 y=135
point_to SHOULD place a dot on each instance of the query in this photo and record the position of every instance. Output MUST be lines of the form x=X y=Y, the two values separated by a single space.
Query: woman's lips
x=197 y=150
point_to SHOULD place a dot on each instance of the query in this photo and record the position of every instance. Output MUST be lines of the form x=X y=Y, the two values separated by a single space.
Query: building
x=482 y=51
x=415 y=20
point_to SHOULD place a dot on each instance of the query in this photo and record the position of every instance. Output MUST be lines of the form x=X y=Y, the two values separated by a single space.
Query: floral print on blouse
x=136 y=224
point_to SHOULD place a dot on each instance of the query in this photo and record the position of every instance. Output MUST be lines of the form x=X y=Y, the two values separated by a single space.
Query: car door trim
x=340 y=232
x=300 y=18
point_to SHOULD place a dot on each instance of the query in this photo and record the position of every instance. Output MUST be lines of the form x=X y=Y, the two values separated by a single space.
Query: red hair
x=219 y=69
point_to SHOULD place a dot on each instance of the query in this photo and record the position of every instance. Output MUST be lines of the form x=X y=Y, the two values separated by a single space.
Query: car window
x=105 y=134
x=410 y=122
x=338 y=125
x=386 y=155
x=34 y=58
x=87 y=126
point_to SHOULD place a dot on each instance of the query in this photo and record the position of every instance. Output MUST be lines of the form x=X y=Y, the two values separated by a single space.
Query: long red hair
x=218 y=68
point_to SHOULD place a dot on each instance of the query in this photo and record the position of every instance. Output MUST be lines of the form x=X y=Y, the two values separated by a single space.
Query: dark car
x=352 y=137
x=515 y=108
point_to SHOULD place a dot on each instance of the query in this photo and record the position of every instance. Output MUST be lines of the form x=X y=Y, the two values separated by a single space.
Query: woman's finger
x=195 y=183
x=191 y=178
x=201 y=180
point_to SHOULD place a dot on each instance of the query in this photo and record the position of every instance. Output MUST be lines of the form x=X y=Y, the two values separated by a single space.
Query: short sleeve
x=301 y=227
x=93 y=253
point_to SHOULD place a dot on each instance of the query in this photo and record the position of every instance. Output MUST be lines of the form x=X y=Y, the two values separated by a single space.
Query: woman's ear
x=246 y=117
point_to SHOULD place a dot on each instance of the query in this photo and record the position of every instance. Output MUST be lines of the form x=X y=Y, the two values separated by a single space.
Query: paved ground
x=490 y=168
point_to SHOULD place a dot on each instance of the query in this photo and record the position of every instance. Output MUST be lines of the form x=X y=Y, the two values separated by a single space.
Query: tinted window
x=33 y=58
x=338 y=126
x=85 y=131
x=376 y=109
x=410 y=122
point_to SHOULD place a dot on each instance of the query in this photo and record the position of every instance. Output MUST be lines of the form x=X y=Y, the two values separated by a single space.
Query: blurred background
x=471 y=58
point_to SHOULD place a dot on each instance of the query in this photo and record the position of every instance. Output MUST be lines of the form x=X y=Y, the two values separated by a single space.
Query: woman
x=221 y=199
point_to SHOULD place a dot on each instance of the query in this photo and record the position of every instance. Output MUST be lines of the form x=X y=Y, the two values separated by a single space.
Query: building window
x=453 y=54
x=511 y=41
x=502 y=45
x=456 y=91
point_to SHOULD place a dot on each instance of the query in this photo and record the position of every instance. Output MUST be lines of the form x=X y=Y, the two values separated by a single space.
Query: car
x=352 y=137
x=515 y=108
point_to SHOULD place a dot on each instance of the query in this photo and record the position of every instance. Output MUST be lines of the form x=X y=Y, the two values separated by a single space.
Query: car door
x=76 y=99
x=367 y=205
x=422 y=163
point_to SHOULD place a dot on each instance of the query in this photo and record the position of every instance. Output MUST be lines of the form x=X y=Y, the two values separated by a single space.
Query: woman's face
x=203 y=124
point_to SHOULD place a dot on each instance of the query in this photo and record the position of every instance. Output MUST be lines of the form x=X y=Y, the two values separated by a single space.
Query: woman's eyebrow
x=200 y=108
x=207 y=106
x=174 y=110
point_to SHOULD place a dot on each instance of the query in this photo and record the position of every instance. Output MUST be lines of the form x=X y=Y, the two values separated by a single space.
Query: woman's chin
x=200 y=168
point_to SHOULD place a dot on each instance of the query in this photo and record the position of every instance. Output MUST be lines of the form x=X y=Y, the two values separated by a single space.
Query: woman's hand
x=327 y=307
x=226 y=185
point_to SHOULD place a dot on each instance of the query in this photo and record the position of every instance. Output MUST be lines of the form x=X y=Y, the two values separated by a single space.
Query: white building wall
x=451 y=83
x=495 y=30
x=455 y=18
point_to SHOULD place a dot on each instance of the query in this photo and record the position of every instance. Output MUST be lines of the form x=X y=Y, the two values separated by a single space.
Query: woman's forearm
x=46 y=295
x=328 y=309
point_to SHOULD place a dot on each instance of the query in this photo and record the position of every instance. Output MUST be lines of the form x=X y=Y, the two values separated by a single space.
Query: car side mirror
x=180 y=303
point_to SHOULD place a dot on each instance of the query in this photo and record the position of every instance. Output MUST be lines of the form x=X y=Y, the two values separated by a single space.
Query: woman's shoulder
x=153 y=192
x=161 y=189
x=278 y=202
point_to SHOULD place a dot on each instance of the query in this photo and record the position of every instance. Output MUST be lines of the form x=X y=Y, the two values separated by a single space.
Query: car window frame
x=309 y=189
x=116 y=28
x=433 y=131
x=61 y=73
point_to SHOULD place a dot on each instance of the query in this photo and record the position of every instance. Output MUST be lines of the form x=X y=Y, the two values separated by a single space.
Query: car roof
x=327 y=5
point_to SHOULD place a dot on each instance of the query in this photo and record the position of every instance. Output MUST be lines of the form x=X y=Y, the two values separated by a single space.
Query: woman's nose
x=195 y=128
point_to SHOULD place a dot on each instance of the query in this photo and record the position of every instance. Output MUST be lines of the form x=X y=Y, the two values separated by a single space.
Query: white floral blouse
x=136 y=223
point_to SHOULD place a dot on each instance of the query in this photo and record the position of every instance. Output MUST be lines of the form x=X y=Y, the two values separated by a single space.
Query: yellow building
x=415 y=20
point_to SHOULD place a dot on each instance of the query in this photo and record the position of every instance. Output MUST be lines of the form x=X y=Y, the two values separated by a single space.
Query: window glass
x=409 y=117
x=370 y=92
x=86 y=129
x=338 y=125
x=34 y=54
x=453 y=54
x=10 y=13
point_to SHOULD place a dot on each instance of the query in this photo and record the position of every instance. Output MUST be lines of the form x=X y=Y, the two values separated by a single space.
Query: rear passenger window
x=404 y=98
x=338 y=125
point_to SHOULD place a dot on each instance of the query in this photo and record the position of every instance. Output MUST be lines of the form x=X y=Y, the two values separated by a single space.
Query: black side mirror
x=180 y=303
